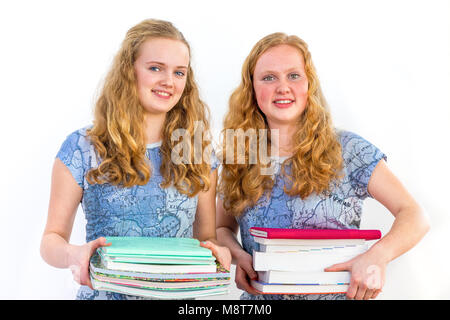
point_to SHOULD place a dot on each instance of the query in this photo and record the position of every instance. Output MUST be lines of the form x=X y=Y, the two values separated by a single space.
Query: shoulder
x=79 y=138
x=75 y=153
x=360 y=158
x=349 y=139
x=76 y=144
x=355 y=146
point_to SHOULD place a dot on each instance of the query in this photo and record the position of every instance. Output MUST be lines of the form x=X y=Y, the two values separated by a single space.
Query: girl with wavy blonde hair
x=316 y=159
x=123 y=168
x=320 y=175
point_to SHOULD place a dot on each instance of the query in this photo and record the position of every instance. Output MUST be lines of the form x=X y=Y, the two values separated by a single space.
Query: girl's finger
x=368 y=295
x=360 y=293
x=375 y=293
x=243 y=282
x=352 y=289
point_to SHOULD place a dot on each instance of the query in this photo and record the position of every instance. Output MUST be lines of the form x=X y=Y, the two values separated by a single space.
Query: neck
x=153 y=126
x=284 y=143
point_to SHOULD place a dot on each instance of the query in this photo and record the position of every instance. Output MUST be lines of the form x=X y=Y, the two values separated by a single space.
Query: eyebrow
x=163 y=64
x=285 y=71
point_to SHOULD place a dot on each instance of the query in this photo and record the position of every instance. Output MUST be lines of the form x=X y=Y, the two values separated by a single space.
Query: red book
x=279 y=233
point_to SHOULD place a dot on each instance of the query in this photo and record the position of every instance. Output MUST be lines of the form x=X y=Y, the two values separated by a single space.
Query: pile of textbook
x=292 y=261
x=162 y=268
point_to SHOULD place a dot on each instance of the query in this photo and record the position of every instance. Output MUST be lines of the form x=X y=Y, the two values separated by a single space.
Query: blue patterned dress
x=148 y=210
x=341 y=209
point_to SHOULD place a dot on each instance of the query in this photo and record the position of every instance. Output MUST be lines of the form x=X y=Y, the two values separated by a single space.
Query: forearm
x=409 y=227
x=55 y=250
x=226 y=237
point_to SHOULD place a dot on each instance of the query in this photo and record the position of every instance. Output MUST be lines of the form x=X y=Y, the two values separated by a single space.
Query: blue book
x=154 y=247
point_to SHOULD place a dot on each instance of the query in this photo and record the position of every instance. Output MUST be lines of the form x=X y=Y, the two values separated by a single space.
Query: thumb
x=222 y=254
x=338 y=267
x=248 y=268
x=207 y=244
x=99 y=242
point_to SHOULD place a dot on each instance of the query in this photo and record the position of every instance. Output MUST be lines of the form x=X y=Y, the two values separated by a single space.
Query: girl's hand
x=78 y=260
x=222 y=254
x=367 y=275
x=245 y=273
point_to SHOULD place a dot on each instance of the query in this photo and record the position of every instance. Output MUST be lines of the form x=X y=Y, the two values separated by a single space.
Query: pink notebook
x=278 y=233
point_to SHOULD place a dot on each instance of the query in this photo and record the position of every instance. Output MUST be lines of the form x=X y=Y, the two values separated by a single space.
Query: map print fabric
x=148 y=210
x=341 y=209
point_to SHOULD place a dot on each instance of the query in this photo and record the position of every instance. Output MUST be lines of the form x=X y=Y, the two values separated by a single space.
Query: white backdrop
x=384 y=68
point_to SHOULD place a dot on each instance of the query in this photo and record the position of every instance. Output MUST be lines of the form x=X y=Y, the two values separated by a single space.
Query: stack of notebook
x=292 y=261
x=163 y=268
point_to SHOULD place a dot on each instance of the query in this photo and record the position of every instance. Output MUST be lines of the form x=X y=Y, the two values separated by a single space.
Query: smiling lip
x=162 y=94
x=283 y=103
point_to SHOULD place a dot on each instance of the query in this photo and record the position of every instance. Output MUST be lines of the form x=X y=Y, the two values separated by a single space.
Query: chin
x=157 y=109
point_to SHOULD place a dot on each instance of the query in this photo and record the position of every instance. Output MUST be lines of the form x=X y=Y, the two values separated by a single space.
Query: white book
x=159 y=268
x=309 y=242
x=160 y=285
x=300 y=261
x=298 y=289
x=160 y=294
x=291 y=248
x=294 y=277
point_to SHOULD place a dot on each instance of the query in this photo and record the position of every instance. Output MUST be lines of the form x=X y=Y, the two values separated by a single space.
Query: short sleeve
x=360 y=157
x=72 y=154
x=214 y=161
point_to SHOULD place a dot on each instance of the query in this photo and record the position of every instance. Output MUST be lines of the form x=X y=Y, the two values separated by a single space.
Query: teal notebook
x=163 y=247
x=157 y=259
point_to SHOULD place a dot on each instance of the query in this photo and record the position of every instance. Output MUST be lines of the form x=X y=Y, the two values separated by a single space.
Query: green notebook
x=164 y=247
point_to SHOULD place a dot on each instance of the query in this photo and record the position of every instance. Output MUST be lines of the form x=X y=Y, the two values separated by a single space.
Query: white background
x=384 y=67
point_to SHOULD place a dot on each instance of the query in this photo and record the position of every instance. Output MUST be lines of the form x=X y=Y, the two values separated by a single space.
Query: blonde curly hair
x=316 y=160
x=118 y=130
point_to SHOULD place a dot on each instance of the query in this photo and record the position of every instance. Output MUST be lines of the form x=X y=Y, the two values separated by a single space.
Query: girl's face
x=161 y=69
x=281 y=85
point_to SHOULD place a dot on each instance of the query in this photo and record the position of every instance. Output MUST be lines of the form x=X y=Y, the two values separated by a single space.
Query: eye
x=180 y=73
x=269 y=78
x=154 y=68
x=294 y=76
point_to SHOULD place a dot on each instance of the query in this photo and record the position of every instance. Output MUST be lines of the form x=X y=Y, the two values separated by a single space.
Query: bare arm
x=205 y=217
x=227 y=229
x=65 y=196
x=409 y=227
x=204 y=227
x=410 y=224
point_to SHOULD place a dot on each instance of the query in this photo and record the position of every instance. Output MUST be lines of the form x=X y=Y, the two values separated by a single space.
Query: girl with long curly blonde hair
x=124 y=169
x=320 y=175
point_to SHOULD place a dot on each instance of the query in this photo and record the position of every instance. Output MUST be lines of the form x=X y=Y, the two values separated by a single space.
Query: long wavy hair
x=316 y=159
x=118 y=129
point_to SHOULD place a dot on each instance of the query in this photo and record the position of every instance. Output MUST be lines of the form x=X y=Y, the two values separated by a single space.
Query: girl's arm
x=227 y=229
x=409 y=227
x=65 y=196
x=204 y=227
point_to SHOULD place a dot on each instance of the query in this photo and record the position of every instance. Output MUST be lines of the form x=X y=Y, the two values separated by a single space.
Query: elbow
x=42 y=248
x=425 y=224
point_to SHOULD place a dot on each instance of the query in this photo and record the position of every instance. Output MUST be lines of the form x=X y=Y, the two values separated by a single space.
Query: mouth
x=162 y=94
x=283 y=103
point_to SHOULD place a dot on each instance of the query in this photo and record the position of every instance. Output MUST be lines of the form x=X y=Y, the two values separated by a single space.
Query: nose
x=167 y=80
x=283 y=87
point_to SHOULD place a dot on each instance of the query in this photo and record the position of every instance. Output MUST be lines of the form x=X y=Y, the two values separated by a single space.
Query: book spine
x=309 y=242
x=305 y=278
x=295 y=261
x=265 y=288
x=277 y=233
x=306 y=248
